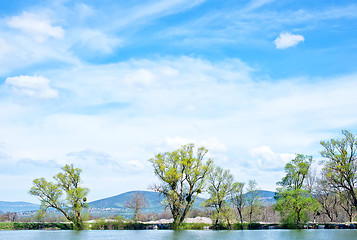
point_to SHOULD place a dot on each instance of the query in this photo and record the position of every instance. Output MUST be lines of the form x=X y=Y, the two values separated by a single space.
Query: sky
x=107 y=85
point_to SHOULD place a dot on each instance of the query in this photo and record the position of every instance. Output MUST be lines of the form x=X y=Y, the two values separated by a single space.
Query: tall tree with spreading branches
x=219 y=188
x=183 y=174
x=52 y=195
x=294 y=200
x=340 y=164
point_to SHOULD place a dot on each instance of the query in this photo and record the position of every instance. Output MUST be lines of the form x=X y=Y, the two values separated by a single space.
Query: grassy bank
x=102 y=224
x=34 y=226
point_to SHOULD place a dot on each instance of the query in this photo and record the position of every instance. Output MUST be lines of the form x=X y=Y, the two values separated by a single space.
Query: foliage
x=183 y=175
x=108 y=224
x=294 y=205
x=51 y=194
x=340 y=164
x=195 y=226
x=116 y=224
x=6 y=226
x=293 y=201
x=296 y=172
x=220 y=186
x=35 y=226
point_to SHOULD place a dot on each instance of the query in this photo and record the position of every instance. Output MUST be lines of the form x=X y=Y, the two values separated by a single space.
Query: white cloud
x=266 y=159
x=96 y=40
x=286 y=40
x=233 y=113
x=141 y=77
x=37 y=26
x=32 y=86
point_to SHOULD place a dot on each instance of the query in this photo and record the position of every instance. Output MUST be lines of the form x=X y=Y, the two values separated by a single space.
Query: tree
x=9 y=216
x=347 y=205
x=183 y=175
x=68 y=184
x=297 y=170
x=328 y=199
x=340 y=164
x=136 y=202
x=252 y=197
x=220 y=186
x=294 y=205
x=238 y=198
x=294 y=201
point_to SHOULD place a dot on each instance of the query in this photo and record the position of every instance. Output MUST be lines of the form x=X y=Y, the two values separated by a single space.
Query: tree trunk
x=241 y=218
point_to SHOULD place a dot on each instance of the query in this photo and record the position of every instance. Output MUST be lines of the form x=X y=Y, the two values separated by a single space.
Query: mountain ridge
x=115 y=205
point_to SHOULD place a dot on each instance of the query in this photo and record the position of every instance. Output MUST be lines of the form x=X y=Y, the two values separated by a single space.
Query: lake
x=315 y=234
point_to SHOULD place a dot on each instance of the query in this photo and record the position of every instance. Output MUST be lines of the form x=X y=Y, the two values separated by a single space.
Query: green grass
x=34 y=226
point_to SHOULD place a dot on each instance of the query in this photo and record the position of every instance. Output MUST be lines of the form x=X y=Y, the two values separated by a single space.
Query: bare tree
x=238 y=199
x=136 y=202
x=252 y=197
x=327 y=198
x=9 y=216
x=346 y=202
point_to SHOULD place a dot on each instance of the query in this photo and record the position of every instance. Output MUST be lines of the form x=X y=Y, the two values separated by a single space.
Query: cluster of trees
x=8 y=216
x=186 y=172
x=331 y=194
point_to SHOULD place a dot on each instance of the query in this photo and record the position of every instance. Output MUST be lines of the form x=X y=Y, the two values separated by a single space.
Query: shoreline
x=164 y=224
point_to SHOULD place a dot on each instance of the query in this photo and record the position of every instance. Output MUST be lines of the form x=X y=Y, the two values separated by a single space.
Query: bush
x=254 y=226
x=194 y=226
x=35 y=226
x=238 y=226
x=6 y=226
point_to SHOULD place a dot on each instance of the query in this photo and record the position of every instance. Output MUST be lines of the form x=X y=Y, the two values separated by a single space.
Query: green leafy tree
x=238 y=199
x=340 y=164
x=183 y=174
x=294 y=205
x=297 y=171
x=220 y=185
x=51 y=194
x=294 y=201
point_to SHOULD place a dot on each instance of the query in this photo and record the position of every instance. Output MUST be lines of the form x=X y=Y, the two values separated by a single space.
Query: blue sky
x=108 y=84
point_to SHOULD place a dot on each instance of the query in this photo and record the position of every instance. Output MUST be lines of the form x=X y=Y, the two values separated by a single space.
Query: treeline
x=303 y=194
x=186 y=172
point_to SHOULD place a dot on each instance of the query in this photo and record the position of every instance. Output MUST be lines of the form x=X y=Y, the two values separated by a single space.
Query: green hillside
x=116 y=205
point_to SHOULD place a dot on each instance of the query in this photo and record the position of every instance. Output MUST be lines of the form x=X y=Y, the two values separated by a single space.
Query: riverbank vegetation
x=304 y=194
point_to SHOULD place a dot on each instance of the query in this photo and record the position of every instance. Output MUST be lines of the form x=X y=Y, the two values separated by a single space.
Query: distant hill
x=266 y=197
x=18 y=206
x=116 y=204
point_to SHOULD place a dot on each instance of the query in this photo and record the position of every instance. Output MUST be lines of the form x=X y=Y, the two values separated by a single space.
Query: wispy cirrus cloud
x=37 y=26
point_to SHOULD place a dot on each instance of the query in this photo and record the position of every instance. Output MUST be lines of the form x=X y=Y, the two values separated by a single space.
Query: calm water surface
x=319 y=234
